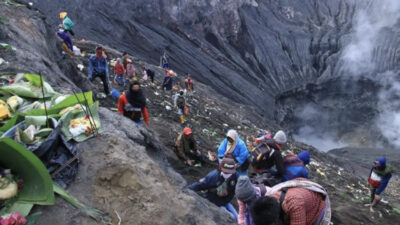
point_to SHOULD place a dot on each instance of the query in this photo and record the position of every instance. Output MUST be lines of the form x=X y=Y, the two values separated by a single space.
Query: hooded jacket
x=384 y=173
x=123 y=104
x=240 y=152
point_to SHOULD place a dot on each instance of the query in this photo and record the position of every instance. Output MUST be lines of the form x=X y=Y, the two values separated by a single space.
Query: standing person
x=189 y=83
x=67 y=45
x=295 y=202
x=133 y=104
x=187 y=149
x=220 y=186
x=150 y=73
x=168 y=80
x=98 y=67
x=119 y=72
x=378 y=180
x=130 y=69
x=232 y=146
x=67 y=23
x=164 y=61
x=180 y=104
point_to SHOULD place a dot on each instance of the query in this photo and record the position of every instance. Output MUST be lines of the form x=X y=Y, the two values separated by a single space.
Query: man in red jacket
x=119 y=72
x=133 y=104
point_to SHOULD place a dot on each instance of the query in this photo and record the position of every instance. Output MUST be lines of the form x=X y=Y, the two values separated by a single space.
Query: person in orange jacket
x=133 y=104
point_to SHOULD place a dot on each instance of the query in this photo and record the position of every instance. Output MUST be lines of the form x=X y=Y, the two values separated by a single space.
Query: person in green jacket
x=67 y=23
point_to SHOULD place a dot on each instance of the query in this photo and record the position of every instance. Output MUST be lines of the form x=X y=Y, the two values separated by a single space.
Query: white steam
x=357 y=57
x=389 y=107
x=314 y=132
x=357 y=60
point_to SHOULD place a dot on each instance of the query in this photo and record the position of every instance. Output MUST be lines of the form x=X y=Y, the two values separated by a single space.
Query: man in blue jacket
x=232 y=146
x=98 y=67
x=378 y=180
x=219 y=186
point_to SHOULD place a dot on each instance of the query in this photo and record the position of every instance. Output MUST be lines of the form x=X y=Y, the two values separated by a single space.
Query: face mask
x=61 y=30
x=226 y=175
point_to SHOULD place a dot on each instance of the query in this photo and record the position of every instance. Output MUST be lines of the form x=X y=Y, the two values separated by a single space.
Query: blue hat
x=381 y=161
x=305 y=157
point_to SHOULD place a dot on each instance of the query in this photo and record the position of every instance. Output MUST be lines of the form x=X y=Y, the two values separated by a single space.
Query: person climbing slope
x=180 y=104
x=232 y=146
x=67 y=23
x=67 y=45
x=150 y=73
x=378 y=180
x=219 y=186
x=130 y=70
x=295 y=202
x=168 y=80
x=98 y=67
x=295 y=166
x=187 y=149
x=164 y=61
x=119 y=72
x=268 y=154
x=189 y=83
x=247 y=194
x=133 y=104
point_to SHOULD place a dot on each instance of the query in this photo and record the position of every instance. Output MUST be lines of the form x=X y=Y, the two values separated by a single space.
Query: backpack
x=180 y=102
x=261 y=154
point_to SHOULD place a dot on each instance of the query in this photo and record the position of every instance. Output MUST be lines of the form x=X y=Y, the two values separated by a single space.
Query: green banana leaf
x=92 y=212
x=71 y=100
x=31 y=89
x=66 y=118
x=38 y=185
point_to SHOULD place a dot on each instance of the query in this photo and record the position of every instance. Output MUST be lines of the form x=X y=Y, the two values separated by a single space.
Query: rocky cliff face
x=263 y=53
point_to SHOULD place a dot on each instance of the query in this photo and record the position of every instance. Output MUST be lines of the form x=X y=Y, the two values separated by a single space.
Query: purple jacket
x=66 y=38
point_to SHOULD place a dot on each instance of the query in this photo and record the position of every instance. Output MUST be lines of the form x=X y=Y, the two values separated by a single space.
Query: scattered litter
x=76 y=51
x=156 y=93
x=2 y=61
x=101 y=95
x=80 y=67
x=168 y=108
x=319 y=171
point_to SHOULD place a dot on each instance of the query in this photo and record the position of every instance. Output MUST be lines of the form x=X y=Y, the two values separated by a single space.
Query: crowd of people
x=271 y=184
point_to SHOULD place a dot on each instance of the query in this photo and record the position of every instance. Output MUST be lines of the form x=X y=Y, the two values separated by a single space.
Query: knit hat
x=187 y=131
x=280 y=137
x=244 y=189
x=228 y=165
x=305 y=157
